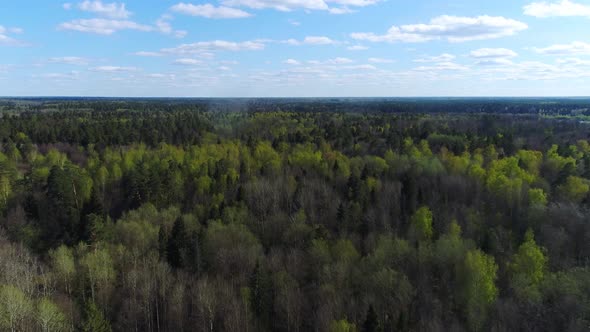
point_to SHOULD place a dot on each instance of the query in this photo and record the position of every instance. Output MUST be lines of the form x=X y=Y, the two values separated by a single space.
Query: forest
x=334 y=215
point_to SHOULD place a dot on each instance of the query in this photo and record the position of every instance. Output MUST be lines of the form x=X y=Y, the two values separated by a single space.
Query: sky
x=295 y=48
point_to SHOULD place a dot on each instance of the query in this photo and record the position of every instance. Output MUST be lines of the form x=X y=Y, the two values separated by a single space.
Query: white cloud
x=187 y=62
x=494 y=62
x=445 y=57
x=442 y=66
x=340 y=6
x=318 y=40
x=163 y=25
x=311 y=40
x=148 y=54
x=484 y=53
x=209 y=11
x=111 y=10
x=285 y=6
x=451 y=28
x=69 y=60
x=113 y=18
x=339 y=61
x=113 y=69
x=205 y=48
x=292 y=62
x=576 y=47
x=357 y=48
x=340 y=10
x=5 y=39
x=380 y=60
x=574 y=62
x=103 y=26
x=294 y=22
x=557 y=9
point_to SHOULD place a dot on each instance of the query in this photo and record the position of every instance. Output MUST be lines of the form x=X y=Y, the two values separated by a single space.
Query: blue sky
x=299 y=48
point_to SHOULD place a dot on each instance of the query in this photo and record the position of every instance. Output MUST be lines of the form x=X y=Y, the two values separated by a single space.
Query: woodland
x=335 y=215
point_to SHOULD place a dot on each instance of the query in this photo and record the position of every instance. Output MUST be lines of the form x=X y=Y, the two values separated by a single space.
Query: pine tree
x=177 y=244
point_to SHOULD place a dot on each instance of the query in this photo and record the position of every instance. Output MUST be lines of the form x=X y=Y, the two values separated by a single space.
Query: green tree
x=421 y=224
x=342 y=326
x=527 y=268
x=94 y=319
x=574 y=189
x=15 y=307
x=50 y=318
x=478 y=290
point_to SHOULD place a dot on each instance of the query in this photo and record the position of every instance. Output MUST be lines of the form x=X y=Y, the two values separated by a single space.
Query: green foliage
x=537 y=197
x=164 y=216
x=421 y=224
x=527 y=267
x=94 y=319
x=575 y=189
x=342 y=326
x=478 y=289
x=15 y=308
x=50 y=317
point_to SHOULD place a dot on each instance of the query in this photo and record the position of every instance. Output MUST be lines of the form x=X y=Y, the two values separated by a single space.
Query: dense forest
x=294 y=215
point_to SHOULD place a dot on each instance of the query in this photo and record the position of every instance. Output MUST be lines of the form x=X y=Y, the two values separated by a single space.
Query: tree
x=94 y=319
x=261 y=299
x=50 y=318
x=99 y=271
x=62 y=261
x=421 y=224
x=371 y=323
x=342 y=326
x=178 y=244
x=527 y=268
x=15 y=307
x=478 y=289
x=575 y=189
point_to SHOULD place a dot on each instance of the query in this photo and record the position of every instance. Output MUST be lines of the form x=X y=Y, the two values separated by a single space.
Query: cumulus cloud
x=209 y=11
x=311 y=40
x=111 y=10
x=574 y=48
x=103 y=26
x=113 y=18
x=292 y=62
x=451 y=28
x=562 y=8
x=5 y=39
x=163 y=26
x=486 y=53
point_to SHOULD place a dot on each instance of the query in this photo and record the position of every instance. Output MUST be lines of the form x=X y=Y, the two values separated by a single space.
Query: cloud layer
x=451 y=28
